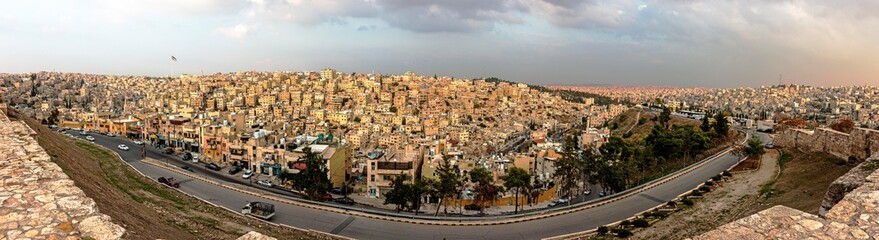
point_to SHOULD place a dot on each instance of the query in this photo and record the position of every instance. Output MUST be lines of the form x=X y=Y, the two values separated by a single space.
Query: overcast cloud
x=671 y=43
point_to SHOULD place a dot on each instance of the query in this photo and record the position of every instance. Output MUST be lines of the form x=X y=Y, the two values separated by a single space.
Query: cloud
x=366 y=28
x=236 y=32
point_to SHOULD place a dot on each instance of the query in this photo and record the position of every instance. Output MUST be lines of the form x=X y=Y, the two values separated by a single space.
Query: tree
x=721 y=125
x=418 y=189
x=398 y=195
x=706 y=125
x=570 y=168
x=313 y=180
x=448 y=184
x=754 y=148
x=485 y=188
x=665 y=116
x=517 y=178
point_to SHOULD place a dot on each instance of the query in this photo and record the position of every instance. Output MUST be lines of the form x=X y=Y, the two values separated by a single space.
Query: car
x=602 y=194
x=563 y=200
x=90 y=138
x=83 y=132
x=170 y=181
x=213 y=166
x=336 y=191
x=187 y=156
x=110 y=135
x=344 y=200
x=138 y=143
x=195 y=159
x=770 y=145
x=265 y=183
x=234 y=169
x=554 y=203
x=472 y=207
x=247 y=174
x=187 y=168
x=587 y=192
x=122 y=147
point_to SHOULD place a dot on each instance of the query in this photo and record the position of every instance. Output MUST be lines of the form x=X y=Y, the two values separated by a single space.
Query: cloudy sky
x=550 y=42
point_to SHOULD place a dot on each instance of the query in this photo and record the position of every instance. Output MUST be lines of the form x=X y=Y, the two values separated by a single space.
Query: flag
x=173 y=58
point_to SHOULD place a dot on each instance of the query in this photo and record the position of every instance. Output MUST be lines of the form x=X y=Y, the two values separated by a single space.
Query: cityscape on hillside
x=494 y=119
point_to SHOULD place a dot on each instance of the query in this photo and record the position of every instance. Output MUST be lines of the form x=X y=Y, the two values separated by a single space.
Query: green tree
x=313 y=180
x=706 y=125
x=721 y=125
x=399 y=193
x=665 y=116
x=754 y=148
x=418 y=189
x=485 y=188
x=520 y=179
x=448 y=185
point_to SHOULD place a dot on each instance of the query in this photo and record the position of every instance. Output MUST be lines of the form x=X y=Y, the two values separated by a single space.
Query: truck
x=261 y=210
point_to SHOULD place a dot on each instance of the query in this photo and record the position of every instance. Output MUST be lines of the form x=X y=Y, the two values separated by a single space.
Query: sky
x=545 y=42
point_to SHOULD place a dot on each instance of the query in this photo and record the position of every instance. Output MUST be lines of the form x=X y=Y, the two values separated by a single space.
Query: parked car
x=195 y=159
x=472 y=207
x=336 y=191
x=187 y=168
x=110 y=135
x=770 y=145
x=213 y=166
x=265 y=183
x=234 y=169
x=90 y=138
x=169 y=151
x=554 y=203
x=170 y=181
x=344 y=200
x=122 y=147
x=602 y=194
x=187 y=156
x=247 y=174
x=138 y=143
x=587 y=192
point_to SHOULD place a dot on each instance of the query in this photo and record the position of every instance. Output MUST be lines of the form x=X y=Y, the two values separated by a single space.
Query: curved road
x=368 y=228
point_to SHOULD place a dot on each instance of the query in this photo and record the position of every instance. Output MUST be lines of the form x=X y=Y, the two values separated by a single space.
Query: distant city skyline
x=544 y=42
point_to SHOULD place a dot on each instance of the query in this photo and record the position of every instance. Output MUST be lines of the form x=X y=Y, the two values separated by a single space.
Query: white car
x=195 y=159
x=247 y=174
x=138 y=143
x=265 y=183
x=122 y=147
x=90 y=138
x=110 y=135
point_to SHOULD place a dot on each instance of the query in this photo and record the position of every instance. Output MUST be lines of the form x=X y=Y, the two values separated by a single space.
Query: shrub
x=709 y=183
x=705 y=189
x=623 y=233
x=625 y=223
x=641 y=223
x=696 y=193
x=717 y=178
x=687 y=202
x=603 y=230
x=671 y=203
x=727 y=173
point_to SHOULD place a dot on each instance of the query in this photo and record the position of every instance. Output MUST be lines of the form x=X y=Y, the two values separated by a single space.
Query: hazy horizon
x=542 y=42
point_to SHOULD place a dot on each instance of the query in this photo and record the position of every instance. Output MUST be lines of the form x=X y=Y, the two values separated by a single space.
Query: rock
x=100 y=227
x=65 y=227
x=252 y=235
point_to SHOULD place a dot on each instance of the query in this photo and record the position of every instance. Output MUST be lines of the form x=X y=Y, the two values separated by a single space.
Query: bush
x=625 y=223
x=641 y=223
x=603 y=230
x=671 y=203
x=687 y=202
x=696 y=193
x=717 y=178
x=658 y=214
x=623 y=233
x=727 y=173
x=705 y=189
x=709 y=183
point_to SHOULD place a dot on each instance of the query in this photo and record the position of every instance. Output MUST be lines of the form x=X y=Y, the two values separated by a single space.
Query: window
x=372 y=178
x=386 y=177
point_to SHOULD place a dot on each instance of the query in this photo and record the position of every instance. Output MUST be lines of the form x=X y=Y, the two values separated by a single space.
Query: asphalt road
x=367 y=228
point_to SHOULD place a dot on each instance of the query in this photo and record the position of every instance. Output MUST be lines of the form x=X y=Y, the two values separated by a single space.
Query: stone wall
x=37 y=200
x=860 y=144
x=849 y=181
x=856 y=216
